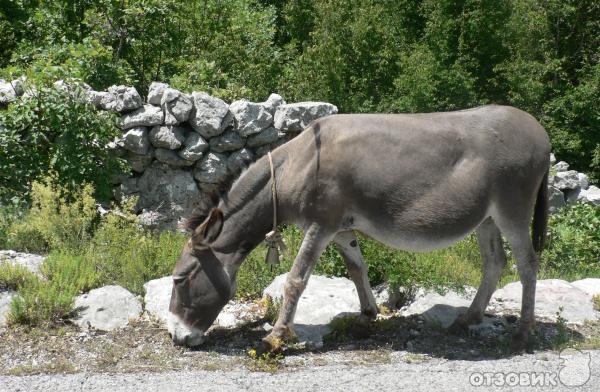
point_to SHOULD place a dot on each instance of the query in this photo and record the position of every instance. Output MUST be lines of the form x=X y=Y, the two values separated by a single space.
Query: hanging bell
x=273 y=255
x=275 y=244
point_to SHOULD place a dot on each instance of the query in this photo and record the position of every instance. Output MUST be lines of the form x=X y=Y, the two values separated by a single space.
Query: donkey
x=416 y=182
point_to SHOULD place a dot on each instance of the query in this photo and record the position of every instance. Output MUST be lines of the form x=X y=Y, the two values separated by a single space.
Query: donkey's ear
x=209 y=230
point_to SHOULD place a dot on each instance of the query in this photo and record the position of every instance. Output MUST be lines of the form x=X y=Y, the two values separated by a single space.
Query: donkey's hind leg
x=348 y=247
x=494 y=260
x=527 y=265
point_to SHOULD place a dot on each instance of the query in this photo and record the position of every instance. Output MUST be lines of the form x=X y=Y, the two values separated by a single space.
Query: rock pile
x=568 y=186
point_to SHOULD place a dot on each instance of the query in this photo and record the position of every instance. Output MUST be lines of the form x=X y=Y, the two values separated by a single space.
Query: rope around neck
x=274 y=191
x=274 y=238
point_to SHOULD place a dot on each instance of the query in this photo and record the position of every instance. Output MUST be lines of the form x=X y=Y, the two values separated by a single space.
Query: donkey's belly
x=414 y=241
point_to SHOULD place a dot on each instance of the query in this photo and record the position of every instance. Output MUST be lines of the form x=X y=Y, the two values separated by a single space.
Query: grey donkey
x=416 y=182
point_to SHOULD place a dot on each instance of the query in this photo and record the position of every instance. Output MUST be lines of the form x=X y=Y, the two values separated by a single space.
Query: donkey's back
x=419 y=181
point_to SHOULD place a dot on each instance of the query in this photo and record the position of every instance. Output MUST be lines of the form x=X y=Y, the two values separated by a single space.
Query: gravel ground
x=400 y=374
x=393 y=353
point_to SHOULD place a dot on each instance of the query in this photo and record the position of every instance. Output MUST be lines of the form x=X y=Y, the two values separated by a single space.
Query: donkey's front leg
x=314 y=243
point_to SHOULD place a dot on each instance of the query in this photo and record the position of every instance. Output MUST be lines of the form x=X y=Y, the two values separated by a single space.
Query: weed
x=267 y=362
x=272 y=308
x=563 y=335
x=596 y=300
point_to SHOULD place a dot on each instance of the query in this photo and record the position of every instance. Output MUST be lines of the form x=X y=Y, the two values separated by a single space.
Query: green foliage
x=13 y=277
x=54 y=132
x=574 y=241
x=122 y=253
x=41 y=302
x=10 y=213
x=85 y=251
x=53 y=221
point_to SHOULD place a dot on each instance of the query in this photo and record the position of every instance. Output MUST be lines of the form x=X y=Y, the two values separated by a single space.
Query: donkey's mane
x=243 y=194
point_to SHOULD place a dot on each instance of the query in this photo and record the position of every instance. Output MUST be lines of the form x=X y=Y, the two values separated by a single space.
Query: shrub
x=41 y=302
x=50 y=131
x=125 y=254
x=574 y=242
x=13 y=277
x=55 y=221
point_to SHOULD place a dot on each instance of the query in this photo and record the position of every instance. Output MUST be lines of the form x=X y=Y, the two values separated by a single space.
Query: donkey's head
x=201 y=283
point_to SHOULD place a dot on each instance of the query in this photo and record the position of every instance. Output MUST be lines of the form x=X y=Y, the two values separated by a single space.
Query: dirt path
x=395 y=353
x=403 y=372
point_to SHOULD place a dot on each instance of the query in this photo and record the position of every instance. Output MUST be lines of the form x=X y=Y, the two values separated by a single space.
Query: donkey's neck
x=248 y=211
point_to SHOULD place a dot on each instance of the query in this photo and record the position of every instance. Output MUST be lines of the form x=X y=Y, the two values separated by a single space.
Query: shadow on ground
x=411 y=334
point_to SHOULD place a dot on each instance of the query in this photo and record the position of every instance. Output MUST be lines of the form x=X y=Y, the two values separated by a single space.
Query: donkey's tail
x=540 y=216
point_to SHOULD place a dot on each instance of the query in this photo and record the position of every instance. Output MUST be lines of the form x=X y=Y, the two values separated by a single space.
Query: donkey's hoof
x=264 y=348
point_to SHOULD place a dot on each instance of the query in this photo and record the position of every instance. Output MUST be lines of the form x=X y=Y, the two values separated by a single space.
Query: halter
x=274 y=239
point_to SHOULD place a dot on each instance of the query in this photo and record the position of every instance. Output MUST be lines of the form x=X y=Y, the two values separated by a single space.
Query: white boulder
x=553 y=297
x=106 y=308
x=146 y=116
x=323 y=300
x=295 y=117
x=210 y=116
x=250 y=117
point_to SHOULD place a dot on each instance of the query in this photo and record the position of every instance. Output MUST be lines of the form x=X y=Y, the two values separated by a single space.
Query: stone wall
x=183 y=147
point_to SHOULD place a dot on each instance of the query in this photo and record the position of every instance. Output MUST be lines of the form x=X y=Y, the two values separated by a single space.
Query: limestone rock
x=210 y=116
x=440 y=309
x=158 y=298
x=194 y=147
x=30 y=261
x=170 y=191
x=6 y=298
x=296 y=116
x=273 y=102
x=118 y=99
x=590 y=195
x=239 y=160
x=176 y=105
x=138 y=162
x=155 y=93
x=322 y=300
x=262 y=138
x=9 y=91
x=170 y=157
x=589 y=285
x=552 y=159
x=584 y=181
x=227 y=141
x=167 y=136
x=146 y=116
x=551 y=295
x=561 y=166
x=212 y=168
x=566 y=180
x=556 y=199
x=249 y=117
x=136 y=140
x=106 y=308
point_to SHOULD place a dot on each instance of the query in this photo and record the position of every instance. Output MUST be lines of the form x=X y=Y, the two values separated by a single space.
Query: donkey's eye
x=179 y=278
